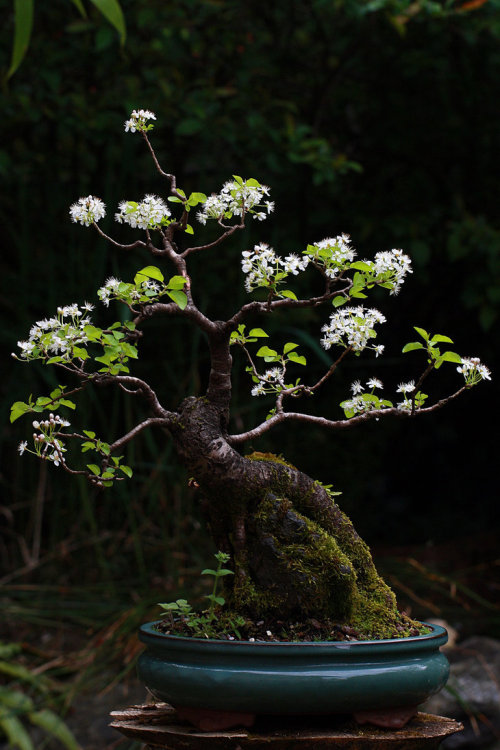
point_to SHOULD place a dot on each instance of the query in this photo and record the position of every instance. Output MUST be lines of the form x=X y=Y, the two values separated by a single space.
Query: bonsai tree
x=296 y=557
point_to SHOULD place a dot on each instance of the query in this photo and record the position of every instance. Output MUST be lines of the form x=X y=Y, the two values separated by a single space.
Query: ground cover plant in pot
x=291 y=568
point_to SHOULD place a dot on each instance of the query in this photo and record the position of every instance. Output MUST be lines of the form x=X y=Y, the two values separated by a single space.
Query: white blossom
x=87 y=210
x=262 y=266
x=235 y=199
x=333 y=254
x=473 y=370
x=406 y=387
x=374 y=383
x=144 y=215
x=356 y=387
x=137 y=120
x=22 y=447
x=351 y=326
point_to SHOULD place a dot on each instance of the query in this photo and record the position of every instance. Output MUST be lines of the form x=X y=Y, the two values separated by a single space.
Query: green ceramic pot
x=293 y=678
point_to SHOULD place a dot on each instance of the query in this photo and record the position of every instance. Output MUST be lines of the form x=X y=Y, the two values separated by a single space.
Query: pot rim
x=437 y=637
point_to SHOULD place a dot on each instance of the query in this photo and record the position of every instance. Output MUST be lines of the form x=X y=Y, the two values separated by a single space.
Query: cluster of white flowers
x=109 y=290
x=144 y=215
x=46 y=441
x=352 y=326
x=333 y=254
x=473 y=370
x=407 y=389
x=264 y=268
x=271 y=381
x=235 y=199
x=372 y=383
x=56 y=336
x=138 y=120
x=87 y=210
x=392 y=266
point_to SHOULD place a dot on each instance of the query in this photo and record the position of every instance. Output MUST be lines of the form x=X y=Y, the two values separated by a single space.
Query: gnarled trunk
x=294 y=553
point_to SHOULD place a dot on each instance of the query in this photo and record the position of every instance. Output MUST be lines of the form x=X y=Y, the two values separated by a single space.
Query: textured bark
x=295 y=554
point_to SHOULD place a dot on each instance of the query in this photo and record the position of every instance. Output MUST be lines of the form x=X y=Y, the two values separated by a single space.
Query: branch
x=171 y=177
x=139 y=387
x=279 y=304
x=339 y=424
x=160 y=421
x=216 y=242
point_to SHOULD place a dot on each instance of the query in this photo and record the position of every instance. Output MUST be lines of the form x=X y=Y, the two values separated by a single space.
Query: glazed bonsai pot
x=308 y=678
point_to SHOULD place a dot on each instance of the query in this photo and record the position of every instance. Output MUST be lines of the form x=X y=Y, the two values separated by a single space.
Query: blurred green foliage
x=376 y=118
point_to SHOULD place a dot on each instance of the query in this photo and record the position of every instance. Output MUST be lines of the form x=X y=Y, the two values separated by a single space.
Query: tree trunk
x=295 y=554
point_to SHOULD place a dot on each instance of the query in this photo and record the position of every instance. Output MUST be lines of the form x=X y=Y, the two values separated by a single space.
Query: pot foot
x=388 y=718
x=213 y=720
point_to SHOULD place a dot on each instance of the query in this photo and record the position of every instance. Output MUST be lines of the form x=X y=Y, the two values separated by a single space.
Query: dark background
x=378 y=119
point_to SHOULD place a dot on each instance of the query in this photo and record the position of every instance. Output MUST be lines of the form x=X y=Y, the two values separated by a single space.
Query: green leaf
x=149 y=272
x=438 y=337
x=94 y=469
x=189 y=229
x=15 y=732
x=423 y=333
x=89 y=433
x=412 y=346
x=224 y=572
x=252 y=182
x=54 y=725
x=360 y=265
x=258 y=333
x=289 y=347
x=451 y=357
x=178 y=297
x=68 y=403
x=81 y=9
x=17 y=410
x=288 y=293
x=23 y=25
x=112 y=11
x=299 y=360
x=126 y=470
x=208 y=572
x=265 y=351
x=177 y=282
x=339 y=300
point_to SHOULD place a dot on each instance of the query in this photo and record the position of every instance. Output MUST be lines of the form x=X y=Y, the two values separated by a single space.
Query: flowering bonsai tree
x=296 y=557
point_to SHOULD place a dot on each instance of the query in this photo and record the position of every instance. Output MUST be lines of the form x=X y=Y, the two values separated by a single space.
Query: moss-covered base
x=275 y=630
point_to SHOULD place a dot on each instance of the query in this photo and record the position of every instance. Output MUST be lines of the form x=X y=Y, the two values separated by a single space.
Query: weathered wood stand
x=157 y=727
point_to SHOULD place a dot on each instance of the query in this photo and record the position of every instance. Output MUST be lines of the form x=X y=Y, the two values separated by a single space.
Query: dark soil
x=275 y=630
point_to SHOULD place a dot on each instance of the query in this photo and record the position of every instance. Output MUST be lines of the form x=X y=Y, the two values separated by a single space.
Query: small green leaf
x=422 y=333
x=149 y=272
x=412 y=346
x=439 y=338
x=23 y=25
x=451 y=357
x=126 y=470
x=189 y=229
x=288 y=293
x=112 y=11
x=94 y=469
x=258 y=333
x=299 y=360
x=339 y=300
x=289 y=347
x=18 y=409
x=177 y=282
x=361 y=265
x=208 y=572
x=224 y=572
x=265 y=351
x=178 y=297
x=89 y=433
x=68 y=403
